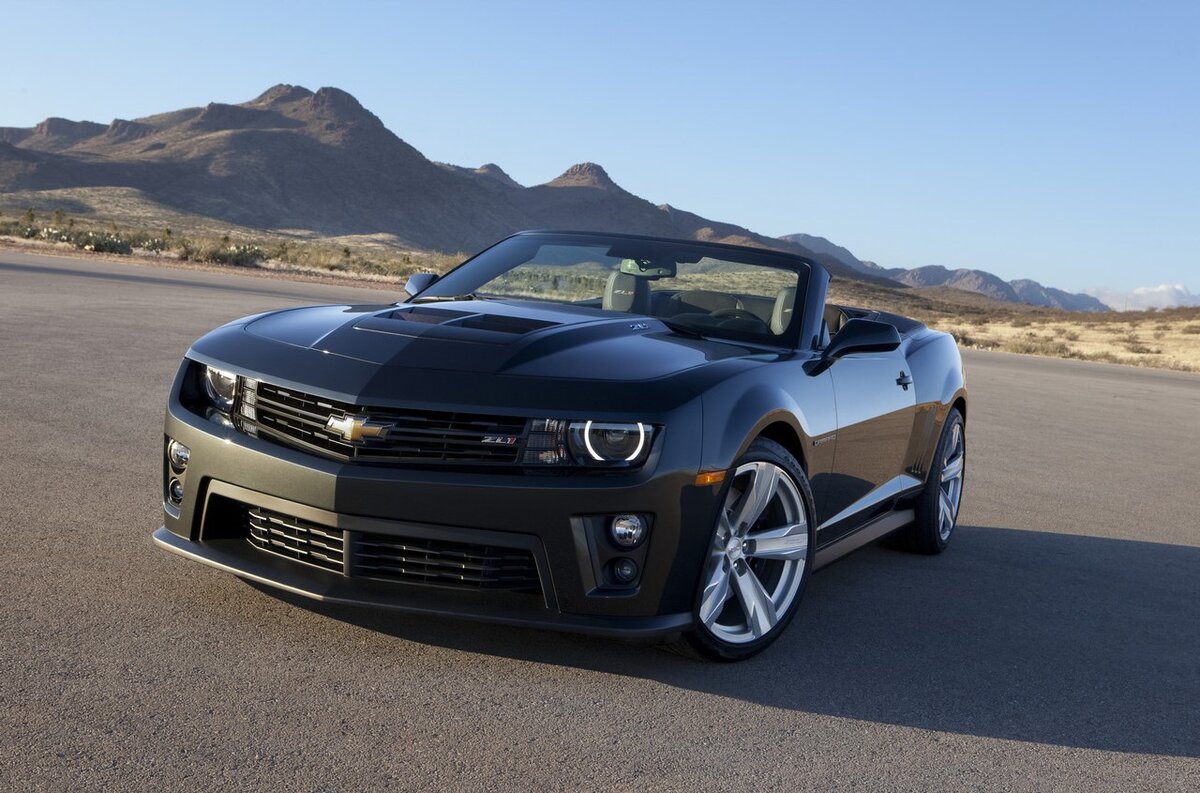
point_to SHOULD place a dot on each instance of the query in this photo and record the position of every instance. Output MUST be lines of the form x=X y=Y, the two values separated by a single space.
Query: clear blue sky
x=1059 y=141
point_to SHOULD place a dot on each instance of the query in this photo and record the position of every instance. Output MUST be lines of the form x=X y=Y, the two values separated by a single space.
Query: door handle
x=904 y=380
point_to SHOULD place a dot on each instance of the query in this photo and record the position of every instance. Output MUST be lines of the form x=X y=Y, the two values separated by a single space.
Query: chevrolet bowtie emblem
x=357 y=428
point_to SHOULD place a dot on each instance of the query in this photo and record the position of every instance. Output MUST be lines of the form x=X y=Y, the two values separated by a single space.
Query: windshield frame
x=453 y=282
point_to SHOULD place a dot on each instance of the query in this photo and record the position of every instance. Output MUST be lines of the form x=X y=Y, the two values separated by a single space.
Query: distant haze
x=1163 y=296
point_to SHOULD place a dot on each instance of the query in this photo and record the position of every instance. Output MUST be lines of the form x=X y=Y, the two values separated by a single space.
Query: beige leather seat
x=625 y=292
x=785 y=309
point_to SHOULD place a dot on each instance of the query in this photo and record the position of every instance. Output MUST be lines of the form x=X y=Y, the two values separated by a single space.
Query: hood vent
x=431 y=316
x=496 y=323
x=503 y=324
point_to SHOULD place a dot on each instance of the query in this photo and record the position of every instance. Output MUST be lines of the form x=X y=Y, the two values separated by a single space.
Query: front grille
x=391 y=558
x=305 y=542
x=385 y=434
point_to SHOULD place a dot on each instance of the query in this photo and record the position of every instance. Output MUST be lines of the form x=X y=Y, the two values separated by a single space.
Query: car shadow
x=1024 y=635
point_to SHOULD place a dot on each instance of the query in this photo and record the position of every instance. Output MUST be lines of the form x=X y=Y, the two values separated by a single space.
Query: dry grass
x=376 y=257
x=1169 y=342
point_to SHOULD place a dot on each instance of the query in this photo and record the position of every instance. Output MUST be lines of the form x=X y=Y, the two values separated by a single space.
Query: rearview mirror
x=419 y=282
x=645 y=268
x=862 y=335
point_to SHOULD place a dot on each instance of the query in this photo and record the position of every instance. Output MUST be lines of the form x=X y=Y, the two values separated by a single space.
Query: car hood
x=519 y=338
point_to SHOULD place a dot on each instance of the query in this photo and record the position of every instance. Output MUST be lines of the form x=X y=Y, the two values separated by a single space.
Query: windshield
x=694 y=288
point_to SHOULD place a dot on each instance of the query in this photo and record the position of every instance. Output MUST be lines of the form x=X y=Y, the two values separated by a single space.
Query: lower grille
x=440 y=562
x=391 y=558
x=305 y=542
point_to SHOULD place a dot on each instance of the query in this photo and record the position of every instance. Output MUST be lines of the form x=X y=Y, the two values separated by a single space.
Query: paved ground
x=1056 y=645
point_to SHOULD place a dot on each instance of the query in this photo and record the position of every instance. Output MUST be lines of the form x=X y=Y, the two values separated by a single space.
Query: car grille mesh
x=306 y=542
x=302 y=420
x=391 y=558
x=439 y=562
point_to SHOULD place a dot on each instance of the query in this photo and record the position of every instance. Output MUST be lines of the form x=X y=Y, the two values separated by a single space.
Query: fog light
x=175 y=492
x=628 y=531
x=624 y=570
x=179 y=455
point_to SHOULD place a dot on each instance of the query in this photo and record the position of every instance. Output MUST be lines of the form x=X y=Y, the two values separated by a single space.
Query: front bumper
x=503 y=608
x=551 y=516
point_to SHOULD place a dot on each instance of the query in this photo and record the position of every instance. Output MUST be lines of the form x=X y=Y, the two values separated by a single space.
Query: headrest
x=625 y=292
x=785 y=307
x=834 y=318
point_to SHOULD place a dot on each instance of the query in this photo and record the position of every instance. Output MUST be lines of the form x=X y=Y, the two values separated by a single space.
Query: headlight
x=221 y=387
x=611 y=444
x=603 y=442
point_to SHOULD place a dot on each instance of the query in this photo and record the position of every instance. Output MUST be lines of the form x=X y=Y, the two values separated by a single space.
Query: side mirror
x=419 y=282
x=862 y=335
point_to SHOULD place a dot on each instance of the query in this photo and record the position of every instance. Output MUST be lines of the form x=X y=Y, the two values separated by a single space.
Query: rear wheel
x=760 y=556
x=937 y=508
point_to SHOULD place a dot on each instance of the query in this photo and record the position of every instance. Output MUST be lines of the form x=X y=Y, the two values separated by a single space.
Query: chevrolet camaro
x=605 y=433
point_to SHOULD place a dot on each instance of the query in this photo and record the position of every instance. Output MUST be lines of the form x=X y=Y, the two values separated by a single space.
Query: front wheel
x=937 y=508
x=759 y=560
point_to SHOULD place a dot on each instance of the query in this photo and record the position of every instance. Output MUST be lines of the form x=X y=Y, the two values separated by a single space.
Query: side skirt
x=879 y=527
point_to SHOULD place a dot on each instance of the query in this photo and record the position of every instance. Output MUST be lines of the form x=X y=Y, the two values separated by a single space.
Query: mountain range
x=1022 y=290
x=293 y=159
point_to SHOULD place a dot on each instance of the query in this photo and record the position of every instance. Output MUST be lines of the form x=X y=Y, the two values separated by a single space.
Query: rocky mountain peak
x=584 y=174
x=338 y=105
x=281 y=94
x=493 y=171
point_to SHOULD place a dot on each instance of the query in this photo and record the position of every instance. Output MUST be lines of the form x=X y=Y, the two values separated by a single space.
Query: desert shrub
x=103 y=242
x=188 y=251
x=1037 y=346
x=1021 y=322
x=1070 y=335
x=1191 y=329
x=1103 y=356
x=237 y=255
x=1135 y=346
x=154 y=245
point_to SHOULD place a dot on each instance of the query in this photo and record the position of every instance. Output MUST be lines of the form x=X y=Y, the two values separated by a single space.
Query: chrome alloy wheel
x=757 y=560
x=950 y=491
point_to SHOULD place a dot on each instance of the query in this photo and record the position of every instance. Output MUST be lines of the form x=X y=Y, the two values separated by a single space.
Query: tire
x=938 y=506
x=760 y=557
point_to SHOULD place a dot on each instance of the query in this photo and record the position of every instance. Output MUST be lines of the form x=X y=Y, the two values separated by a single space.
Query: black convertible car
x=592 y=432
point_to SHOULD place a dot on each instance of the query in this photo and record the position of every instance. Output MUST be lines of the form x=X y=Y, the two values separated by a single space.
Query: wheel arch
x=786 y=436
x=780 y=402
x=960 y=404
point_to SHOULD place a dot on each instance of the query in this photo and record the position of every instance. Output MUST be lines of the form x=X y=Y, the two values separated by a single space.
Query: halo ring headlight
x=608 y=442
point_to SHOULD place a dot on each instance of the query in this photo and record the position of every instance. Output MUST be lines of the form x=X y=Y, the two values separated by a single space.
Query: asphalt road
x=1055 y=645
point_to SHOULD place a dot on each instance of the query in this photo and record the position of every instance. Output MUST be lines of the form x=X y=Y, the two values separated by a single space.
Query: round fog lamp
x=179 y=455
x=175 y=492
x=625 y=570
x=628 y=531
